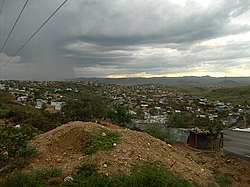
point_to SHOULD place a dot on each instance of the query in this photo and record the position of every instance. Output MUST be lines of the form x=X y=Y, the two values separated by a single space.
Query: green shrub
x=119 y=115
x=87 y=175
x=223 y=179
x=157 y=133
x=100 y=140
x=85 y=108
x=47 y=173
x=13 y=145
x=34 y=179
x=21 y=180
x=151 y=174
x=3 y=113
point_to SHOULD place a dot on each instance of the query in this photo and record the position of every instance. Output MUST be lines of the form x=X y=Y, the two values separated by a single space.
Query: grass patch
x=152 y=174
x=87 y=175
x=100 y=140
x=223 y=179
x=154 y=131
x=37 y=178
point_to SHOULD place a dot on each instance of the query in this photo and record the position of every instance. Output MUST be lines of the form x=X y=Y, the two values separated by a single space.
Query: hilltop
x=186 y=80
x=62 y=148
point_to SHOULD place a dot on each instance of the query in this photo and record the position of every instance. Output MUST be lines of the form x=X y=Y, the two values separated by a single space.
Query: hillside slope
x=62 y=147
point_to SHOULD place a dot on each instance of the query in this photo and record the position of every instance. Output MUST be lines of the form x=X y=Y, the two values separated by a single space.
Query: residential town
x=154 y=117
x=149 y=104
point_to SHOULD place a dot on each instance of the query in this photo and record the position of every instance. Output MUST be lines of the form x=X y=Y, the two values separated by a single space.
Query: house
x=203 y=139
x=57 y=105
x=199 y=139
x=2 y=86
x=39 y=103
x=22 y=99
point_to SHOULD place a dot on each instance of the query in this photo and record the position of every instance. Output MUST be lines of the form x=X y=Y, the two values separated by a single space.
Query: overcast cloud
x=122 y=38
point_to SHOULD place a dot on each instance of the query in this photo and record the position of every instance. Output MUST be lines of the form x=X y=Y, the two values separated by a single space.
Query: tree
x=86 y=108
x=180 y=121
x=119 y=115
x=215 y=127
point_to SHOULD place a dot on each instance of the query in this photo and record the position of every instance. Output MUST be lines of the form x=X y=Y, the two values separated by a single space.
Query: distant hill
x=187 y=80
x=229 y=83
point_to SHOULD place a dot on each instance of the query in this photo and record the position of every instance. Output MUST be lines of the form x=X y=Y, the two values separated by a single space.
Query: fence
x=237 y=143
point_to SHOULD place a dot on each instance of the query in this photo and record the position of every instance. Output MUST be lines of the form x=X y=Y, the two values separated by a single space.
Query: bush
x=155 y=131
x=152 y=174
x=86 y=108
x=35 y=179
x=119 y=115
x=87 y=175
x=100 y=140
x=13 y=144
x=223 y=179
x=3 y=113
x=147 y=174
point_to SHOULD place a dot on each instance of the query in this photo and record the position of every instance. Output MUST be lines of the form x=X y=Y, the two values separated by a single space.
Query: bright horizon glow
x=145 y=75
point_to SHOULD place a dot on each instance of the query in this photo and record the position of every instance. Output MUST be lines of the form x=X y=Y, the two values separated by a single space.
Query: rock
x=58 y=160
x=5 y=153
x=169 y=145
x=228 y=161
x=114 y=144
x=68 y=179
x=80 y=158
x=104 y=134
x=17 y=127
x=105 y=165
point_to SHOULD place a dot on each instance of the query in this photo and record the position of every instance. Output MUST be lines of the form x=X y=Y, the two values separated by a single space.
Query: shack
x=199 y=138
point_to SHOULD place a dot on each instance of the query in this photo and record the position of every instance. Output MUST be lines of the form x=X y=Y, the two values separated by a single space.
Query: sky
x=123 y=38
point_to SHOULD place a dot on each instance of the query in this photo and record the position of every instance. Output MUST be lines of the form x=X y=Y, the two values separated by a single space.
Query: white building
x=57 y=105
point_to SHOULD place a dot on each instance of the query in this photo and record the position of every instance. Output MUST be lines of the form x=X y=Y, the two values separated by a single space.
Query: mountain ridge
x=187 y=80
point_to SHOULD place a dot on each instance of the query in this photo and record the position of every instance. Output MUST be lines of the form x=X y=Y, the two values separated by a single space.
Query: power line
x=14 y=25
x=27 y=41
x=1 y=7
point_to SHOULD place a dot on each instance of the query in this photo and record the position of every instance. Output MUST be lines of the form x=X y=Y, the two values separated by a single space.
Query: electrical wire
x=14 y=26
x=1 y=7
x=27 y=41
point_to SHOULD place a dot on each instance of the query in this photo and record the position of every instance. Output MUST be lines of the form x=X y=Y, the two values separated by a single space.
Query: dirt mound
x=62 y=147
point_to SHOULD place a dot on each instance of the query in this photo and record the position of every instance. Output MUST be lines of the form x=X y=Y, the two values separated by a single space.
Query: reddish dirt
x=62 y=147
x=234 y=167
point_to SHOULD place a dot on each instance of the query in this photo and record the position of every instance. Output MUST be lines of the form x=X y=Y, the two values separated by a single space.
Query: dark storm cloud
x=125 y=36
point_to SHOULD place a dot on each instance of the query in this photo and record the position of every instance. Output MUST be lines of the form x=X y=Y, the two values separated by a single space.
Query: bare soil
x=238 y=169
x=62 y=147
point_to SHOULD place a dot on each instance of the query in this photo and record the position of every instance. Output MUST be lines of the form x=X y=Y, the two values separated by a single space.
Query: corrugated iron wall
x=237 y=143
